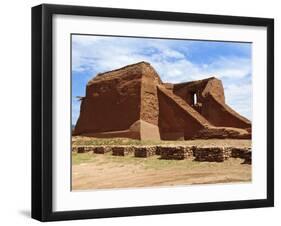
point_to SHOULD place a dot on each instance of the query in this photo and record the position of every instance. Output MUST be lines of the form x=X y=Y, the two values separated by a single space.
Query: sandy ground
x=97 y=171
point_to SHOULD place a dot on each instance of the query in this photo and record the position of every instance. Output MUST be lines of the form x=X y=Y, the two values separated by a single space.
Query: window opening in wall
x=194 y=98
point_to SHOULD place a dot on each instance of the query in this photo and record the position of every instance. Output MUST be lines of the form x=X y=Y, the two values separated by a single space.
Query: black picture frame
x=42 y=111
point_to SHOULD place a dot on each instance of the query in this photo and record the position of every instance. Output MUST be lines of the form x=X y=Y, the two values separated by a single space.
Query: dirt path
x=106 y=171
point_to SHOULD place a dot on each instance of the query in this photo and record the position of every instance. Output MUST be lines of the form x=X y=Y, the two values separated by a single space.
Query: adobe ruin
x=133 y=102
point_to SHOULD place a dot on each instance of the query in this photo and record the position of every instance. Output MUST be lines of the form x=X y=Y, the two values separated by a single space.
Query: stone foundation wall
x=122 y=150
x=84 y=149
x=145 y=151
x=247 y=157
x=101 y=149
x=211 y=154
x=196 y=153
x=177 y=152
x=243 y=153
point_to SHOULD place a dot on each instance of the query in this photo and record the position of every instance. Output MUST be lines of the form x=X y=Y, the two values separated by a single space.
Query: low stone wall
x=158 y=150
x=243 y=153
x=208 y=154
x=84 y=149
x=176 y=152
x=238 y=152
x=248 y=157
x=122 y=150
x=145 y=151
x=211 y=154
x=101 y=149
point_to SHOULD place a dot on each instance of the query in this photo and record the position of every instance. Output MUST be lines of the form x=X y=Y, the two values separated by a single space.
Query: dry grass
x=78 y=140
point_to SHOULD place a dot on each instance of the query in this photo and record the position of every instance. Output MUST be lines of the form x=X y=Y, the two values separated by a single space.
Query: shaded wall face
x=211 y=103
x=170 y=121
x=219 y=114
x=189 y=92
x=174 y=122
x=201 y=90
x=110 y=105
x=185 y=94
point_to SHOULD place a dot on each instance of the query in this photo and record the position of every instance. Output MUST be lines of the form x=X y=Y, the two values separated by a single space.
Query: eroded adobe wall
x=112 y=102
x=211 y=102
x=171 y=121
x=217 y=111
x=149 y=100
x=187 y=90
x=177 y=120
x=220 y=114
x=214 y=132
x=133 y=102
x=149 y=113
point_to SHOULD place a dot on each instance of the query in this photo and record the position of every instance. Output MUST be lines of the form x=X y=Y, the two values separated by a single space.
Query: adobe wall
x=171 y=121
x=149 y=112
x=211 y=102
x=114 y=134
x=186 y=90
x=112 y=102
x=220 y=114
x=217 y=111
x=133 y=102
x=201 y=88
x=149 y=100
x=177 y=120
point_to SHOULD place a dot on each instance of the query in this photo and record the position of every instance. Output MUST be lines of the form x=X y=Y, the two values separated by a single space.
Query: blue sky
x=174 y=60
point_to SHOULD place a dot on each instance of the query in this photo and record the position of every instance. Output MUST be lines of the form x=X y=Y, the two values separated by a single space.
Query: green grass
x=126 y=141
x=114 y=141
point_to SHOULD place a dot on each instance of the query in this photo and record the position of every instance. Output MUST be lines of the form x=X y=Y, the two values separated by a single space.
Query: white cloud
x=230 y=67
x=239 y=97
x=104 y=53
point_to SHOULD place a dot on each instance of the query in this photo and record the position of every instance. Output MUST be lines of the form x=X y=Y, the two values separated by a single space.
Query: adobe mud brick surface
x=133 y=102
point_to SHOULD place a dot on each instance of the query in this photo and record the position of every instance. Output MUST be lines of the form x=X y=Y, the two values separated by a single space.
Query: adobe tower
x=133 y=102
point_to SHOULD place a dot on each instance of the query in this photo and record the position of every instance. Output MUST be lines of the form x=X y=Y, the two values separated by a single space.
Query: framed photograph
x=146 y=112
